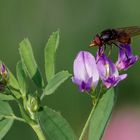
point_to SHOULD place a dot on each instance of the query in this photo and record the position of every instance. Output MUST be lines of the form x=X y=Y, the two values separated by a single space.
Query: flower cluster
x=4 y=76
x=88 y=69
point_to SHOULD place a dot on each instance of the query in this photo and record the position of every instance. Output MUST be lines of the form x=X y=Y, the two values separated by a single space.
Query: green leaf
x=101 y=115
x=14 y=84
x=21 y=77
x=29 y=62
x=5 y=124
x=5 y=108
x=6 y=97
x=55 y=126
x=49 y=51
x=13 y=81
x=56 y=81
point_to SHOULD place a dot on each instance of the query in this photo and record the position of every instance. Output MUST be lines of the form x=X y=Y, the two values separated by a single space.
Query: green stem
x=38 y=132
x=87 y=123
x=42 y=96
x=12 y=116
x=18 y=118
x=95 y=102
x=22 y=110
x=36 y=127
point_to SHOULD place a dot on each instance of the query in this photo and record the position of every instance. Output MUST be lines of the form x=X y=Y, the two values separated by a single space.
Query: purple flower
x=108 y=71
x=86 y=75
x=4 y=77
x=125 y=58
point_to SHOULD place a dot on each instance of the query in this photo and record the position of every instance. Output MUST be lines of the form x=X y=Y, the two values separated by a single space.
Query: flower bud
x=32 y=105
x=4 y=77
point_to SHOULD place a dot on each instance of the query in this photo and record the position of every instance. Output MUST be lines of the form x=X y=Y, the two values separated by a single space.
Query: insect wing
x=131 y=31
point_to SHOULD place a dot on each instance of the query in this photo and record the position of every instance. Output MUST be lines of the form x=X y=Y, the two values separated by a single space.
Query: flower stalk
x=87 y=123
x=95 y=103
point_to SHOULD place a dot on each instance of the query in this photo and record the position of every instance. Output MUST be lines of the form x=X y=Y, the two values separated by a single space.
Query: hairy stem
x=38 y=132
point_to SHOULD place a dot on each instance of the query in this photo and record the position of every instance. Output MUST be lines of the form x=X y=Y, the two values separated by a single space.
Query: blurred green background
x=78 y=21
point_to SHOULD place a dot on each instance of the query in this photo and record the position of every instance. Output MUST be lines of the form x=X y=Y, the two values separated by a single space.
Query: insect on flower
x=115 y=36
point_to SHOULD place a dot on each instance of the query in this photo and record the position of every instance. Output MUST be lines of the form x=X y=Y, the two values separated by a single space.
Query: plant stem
x=38 y=132
x=87 y=123
x=42 y=96
x=13 y=117
x=95 y=102
x=35 y=126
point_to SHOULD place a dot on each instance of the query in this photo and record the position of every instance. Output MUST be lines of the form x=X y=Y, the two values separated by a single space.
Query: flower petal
x=79 y=67
x=113 y=81
x=91 y=68
x=86 y=74
x=108 y=71
x=125 y=57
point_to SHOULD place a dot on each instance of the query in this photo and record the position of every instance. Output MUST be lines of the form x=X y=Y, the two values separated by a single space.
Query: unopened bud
x=4 y=77
x=32 y=105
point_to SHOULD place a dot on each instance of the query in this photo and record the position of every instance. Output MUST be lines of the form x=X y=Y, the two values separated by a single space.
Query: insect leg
x=122 y=49
x=101 y=50
x=104 y=47
x=110 y=50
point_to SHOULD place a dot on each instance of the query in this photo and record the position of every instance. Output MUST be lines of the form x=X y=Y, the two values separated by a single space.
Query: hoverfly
x=115 y=36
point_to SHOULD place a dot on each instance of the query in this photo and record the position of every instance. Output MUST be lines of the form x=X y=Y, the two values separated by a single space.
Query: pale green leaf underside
x=101 y=115
x=55 y=126
x=56 y=81
x=13 y=81
x=29 y=62
x=6 y=97
x=49 y=54
x=14 y=84
x=21 y=77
